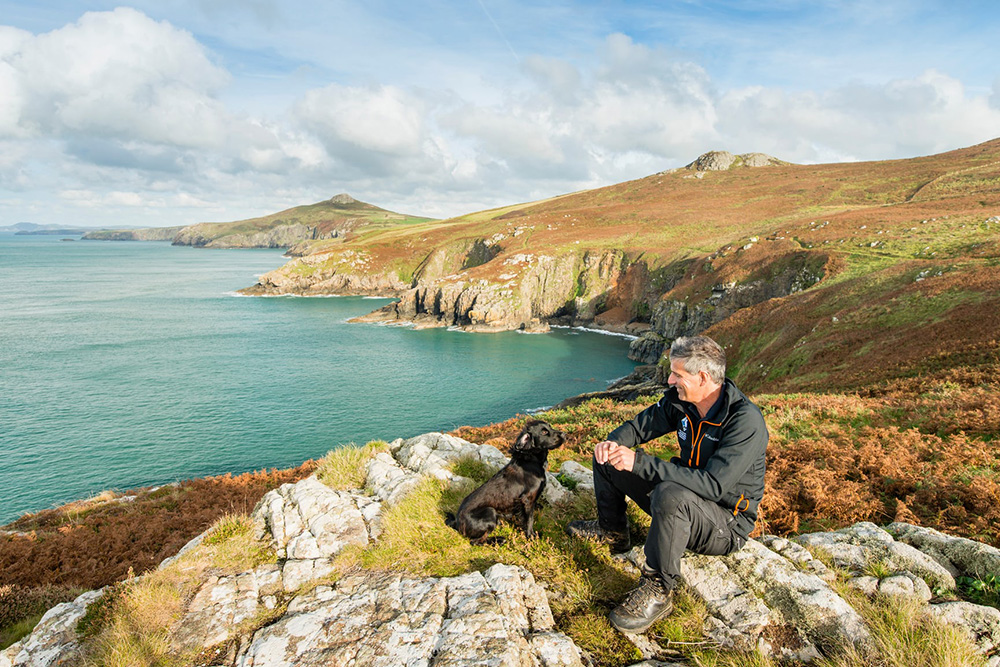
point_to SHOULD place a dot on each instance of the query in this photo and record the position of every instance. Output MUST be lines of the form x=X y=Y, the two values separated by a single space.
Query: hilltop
x=813 y=276
x=334 y=220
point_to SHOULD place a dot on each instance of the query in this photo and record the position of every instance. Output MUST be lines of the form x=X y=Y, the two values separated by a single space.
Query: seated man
x=704 y=500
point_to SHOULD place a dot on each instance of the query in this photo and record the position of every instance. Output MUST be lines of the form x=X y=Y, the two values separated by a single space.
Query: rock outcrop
x=672 y=318
x=724 y=160
x=774 y=595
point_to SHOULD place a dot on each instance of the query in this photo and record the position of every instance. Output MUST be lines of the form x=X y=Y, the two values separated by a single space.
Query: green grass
x=985 y=591
x=904 y=636
x=18 y=630
x=344 y=468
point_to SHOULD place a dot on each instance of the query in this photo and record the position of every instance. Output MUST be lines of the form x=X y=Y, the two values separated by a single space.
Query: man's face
x=690 y=387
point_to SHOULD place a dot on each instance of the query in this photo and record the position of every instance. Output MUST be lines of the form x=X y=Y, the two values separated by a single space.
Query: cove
x=128 y=364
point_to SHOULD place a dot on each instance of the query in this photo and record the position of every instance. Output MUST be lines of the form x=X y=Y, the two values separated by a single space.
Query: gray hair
x=701 y=353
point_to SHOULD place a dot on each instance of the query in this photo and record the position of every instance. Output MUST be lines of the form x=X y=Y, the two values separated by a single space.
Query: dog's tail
x=449 y=520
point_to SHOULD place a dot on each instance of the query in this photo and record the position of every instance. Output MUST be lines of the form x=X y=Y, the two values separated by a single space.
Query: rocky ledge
x=775 y=594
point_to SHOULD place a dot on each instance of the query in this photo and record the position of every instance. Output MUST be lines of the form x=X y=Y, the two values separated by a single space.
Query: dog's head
x=538 y=435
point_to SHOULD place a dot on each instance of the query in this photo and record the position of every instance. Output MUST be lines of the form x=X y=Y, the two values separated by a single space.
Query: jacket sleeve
x=656 y=420
x=741 y=445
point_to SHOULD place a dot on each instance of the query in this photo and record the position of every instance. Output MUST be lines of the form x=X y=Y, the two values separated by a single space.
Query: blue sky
x=164 y=113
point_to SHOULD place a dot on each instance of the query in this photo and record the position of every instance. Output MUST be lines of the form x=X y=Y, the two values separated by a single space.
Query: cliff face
x=284 y=236
x=479 y=288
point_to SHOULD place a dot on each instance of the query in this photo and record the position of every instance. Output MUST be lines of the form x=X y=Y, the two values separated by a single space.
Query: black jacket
x=721 y=457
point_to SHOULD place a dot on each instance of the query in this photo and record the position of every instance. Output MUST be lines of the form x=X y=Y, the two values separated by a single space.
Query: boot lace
x=638 y=599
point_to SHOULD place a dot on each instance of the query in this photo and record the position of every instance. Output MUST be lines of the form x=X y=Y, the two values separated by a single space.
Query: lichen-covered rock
x=222 y=603
x=799 y=599
x=864 y=544
x=432 y=454
x=309 y=520
x=580 y=474
x=959 y=555
x=798 y=555
x=54 y=640
x=310 y=523
x=498 y=617
x=981 y=624
x=738 y=616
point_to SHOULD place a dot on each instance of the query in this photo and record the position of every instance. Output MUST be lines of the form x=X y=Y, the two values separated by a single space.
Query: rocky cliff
x=207 y=236
x=790 y=599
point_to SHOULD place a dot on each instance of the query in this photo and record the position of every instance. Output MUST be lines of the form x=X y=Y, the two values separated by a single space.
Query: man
x=704 y=500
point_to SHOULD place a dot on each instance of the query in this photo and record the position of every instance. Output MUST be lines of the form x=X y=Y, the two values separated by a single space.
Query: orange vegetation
x=90 y=545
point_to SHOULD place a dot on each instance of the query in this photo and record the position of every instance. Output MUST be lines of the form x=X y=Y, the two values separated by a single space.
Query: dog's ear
x=524 y=441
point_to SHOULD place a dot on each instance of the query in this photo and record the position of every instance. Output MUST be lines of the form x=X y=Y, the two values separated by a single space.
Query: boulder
x=497 y=617
x=863 y=545
x=959 y=555
x=54 y=640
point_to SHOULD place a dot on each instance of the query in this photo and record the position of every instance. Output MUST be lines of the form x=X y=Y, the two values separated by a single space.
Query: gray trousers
x=681 y=519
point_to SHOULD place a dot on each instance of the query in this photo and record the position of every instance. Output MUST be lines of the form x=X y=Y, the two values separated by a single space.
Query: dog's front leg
x=527 y=515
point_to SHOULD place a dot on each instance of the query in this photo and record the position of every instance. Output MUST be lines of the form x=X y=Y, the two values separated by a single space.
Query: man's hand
x=620 y=458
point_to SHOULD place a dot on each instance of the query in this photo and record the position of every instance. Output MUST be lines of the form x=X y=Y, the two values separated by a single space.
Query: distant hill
x=31 y=228
x=335 y=219
x=147 y=234
x=814 y=276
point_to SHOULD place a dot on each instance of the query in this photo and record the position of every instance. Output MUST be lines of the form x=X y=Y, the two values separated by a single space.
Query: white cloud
x=118 y=111
x=927 y=114
x=371 y=127
x=114 y=74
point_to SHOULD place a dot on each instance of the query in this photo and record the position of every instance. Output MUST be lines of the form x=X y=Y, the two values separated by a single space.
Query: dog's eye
x=545 y=431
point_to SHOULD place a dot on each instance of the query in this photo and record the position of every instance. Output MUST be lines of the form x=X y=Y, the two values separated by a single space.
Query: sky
x=172 y=112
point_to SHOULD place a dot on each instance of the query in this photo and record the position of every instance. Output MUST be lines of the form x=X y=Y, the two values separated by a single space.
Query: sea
x=134 y=364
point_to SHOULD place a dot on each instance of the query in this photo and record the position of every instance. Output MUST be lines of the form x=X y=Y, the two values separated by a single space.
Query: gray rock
x=796 y=598
x=582 y=475
x=866 y=584
x=798 y=555
x=222 y=603
x=958 y=555
x=859 y=546
x=387 y=480
x=897 y=586
x=738 y=615
x=981 y=624
x=54 y=640
x=498 y=617
x=647 y=348
x=310 y=523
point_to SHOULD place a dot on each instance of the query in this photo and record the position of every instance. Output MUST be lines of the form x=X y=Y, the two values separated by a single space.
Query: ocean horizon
x=134 y=364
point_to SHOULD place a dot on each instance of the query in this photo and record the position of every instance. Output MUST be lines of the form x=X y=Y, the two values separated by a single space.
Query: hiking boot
x=619 y=541
x=643 y=606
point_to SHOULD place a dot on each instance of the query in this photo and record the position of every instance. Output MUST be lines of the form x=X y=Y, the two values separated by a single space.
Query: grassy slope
x=905 y=245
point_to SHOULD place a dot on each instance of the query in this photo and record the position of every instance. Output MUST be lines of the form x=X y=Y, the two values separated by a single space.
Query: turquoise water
x=126 y=364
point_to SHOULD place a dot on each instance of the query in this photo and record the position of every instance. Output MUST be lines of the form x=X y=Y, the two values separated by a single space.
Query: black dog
x=514 y=491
